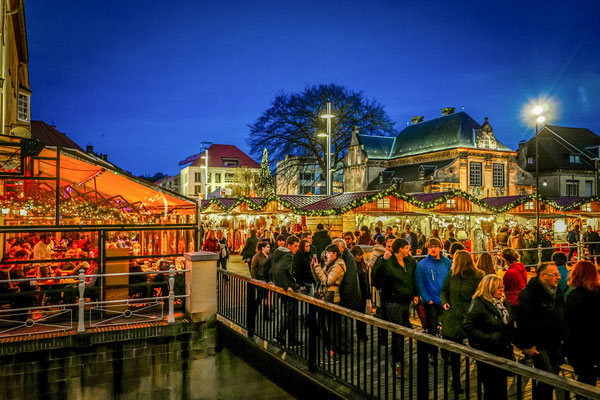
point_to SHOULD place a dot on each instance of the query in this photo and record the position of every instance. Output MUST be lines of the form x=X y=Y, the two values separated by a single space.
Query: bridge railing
x=328 y=338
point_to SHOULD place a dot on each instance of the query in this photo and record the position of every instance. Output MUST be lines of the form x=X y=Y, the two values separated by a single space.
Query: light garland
x=401 y=196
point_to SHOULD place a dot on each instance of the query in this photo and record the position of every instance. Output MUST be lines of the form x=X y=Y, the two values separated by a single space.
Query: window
x=198 y=177
x=23 y=107
x=306 y=189
x=574 y=159
x=529 y=205
x=573 y=188
x=229 y=177
x=498 y=178
x=208 y=177
x=217 y=177
x=230 y=162
x=451 y=203
x=197 y=189
x=475 y=173
x=383 y=203
x=530 y=160
x=586 y=207
x=421 y=173
x=307 y=176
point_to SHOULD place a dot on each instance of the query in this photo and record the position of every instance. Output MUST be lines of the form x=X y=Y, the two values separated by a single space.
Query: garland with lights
x=370 y=198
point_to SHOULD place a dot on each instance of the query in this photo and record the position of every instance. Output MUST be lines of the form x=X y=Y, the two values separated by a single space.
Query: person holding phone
x=302 y=268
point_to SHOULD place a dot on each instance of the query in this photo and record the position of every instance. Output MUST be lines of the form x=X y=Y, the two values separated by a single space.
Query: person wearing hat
x=429 y=277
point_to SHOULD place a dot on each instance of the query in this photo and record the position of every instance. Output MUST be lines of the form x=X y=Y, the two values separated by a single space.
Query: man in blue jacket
x=429 y=276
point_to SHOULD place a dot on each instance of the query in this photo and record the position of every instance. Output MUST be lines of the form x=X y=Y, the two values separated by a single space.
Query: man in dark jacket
x=396 y=279
x=412 y=240
x=321 y=239
x=573 y=237
x=592 y=238
x=349 y=289
x=284 y=278
x=250 y=248
x=540 y=323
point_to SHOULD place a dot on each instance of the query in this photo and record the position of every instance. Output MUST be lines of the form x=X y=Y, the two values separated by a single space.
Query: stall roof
x=503 y=201
x=78 y=169
x=339 y=201
x=301 y=201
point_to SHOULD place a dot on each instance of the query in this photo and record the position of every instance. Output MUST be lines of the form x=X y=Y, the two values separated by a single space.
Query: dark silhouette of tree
x=290 y=125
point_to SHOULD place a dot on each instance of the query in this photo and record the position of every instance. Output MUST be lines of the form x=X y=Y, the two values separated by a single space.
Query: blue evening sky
x=146 y=81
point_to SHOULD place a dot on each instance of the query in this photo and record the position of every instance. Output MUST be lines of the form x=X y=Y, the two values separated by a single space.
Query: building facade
x=568 y=161
x=303 y=175
x=15 y=106
x=229 y=169
x=446 y=153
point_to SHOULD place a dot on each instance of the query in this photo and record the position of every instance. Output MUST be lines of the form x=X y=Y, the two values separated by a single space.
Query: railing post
x=171 y=317
x=579 y=250
x=80 y=324
x=539 y=253
x=250 y=308
x=423 y=370
x=312 y=338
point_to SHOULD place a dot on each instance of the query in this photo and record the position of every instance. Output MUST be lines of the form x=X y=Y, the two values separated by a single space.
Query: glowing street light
x=540 y=119
x=329 y=116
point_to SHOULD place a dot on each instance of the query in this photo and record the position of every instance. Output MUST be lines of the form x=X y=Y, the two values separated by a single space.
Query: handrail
x=84 y=228
x=498 y=362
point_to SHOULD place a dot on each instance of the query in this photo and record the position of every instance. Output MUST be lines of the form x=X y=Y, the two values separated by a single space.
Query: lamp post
x=540 y=119
x=328 y=115
x=205 y=166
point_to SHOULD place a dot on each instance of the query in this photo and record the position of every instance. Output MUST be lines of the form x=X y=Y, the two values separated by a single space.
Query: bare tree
x=290 y=125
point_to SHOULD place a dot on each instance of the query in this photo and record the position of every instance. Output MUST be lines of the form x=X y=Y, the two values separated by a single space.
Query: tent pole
x=57 y=189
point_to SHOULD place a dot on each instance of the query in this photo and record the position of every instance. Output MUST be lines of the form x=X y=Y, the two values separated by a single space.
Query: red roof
x=218 y=154
x=49 y=136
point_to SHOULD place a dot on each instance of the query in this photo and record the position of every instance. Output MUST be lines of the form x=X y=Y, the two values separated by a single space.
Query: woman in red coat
x=515 y=278
x=211 y=243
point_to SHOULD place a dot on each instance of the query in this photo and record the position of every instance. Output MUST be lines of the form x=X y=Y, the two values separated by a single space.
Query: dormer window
x=230 y=162
x=574 y=159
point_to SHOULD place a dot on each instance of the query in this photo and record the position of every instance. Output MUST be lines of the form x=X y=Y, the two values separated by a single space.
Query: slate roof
x=502 y=201
x=301 y=201
x=410 y=172
x=50 y=136
x=558 y=143
x=445 y=132
x=377 y=146
x=427 y=197
x=565 y=201
x=338 y=201
x=216 y=154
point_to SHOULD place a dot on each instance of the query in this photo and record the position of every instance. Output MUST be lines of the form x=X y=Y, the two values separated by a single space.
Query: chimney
x=104 y=157
x=448 y=110
x=89 y=148
x=417 y=119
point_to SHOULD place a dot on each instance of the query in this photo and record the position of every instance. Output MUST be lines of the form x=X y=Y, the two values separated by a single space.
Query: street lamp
x=329 y=116
x=205 y=166
x=540 y=119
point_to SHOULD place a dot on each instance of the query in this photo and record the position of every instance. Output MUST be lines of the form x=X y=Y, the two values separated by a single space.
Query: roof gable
x=223 y=156
x=51 y=137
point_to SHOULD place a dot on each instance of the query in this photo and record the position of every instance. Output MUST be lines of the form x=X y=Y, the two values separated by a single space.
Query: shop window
x=475 y=173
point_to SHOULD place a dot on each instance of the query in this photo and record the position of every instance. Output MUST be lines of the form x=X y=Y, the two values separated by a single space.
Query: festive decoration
x=259 y=203
x=265 y=179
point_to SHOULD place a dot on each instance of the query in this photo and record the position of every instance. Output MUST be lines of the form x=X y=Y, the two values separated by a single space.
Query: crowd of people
x=548 y=316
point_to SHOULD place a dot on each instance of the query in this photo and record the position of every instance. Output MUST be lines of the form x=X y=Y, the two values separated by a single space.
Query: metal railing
x=325 y=337
x=59 y=317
